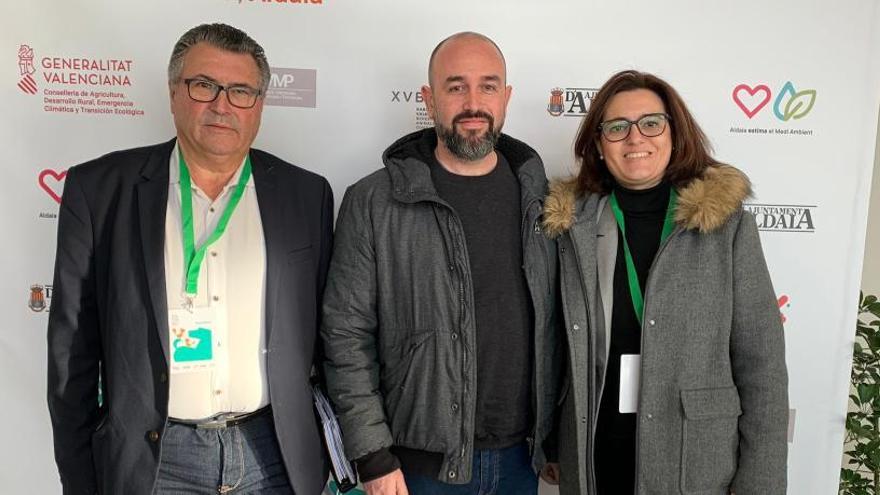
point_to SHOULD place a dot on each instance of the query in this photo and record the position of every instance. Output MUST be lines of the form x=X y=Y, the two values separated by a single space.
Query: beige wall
x=871 y=270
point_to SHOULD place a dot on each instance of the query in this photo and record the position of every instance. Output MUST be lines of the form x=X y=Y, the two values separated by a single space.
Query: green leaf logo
x=800 y=104
x=797 y=103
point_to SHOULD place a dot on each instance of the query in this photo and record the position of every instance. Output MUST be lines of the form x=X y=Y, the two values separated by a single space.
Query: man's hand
x=550 y=473
x=390 y=484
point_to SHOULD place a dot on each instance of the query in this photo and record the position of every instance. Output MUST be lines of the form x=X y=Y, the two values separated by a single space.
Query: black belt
x=224 y=420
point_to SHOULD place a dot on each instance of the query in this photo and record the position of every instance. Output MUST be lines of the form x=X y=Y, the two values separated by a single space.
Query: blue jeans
x=495 y=472
x=237 y=460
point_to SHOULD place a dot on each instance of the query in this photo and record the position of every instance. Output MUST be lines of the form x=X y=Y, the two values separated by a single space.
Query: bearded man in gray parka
x=438 y=315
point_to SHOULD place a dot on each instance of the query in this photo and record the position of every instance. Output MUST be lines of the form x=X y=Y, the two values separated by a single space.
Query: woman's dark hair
x=691 y=152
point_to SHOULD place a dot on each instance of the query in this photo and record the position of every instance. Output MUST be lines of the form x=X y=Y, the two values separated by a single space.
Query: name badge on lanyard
x=192 y=330
x=630 y=366
x=193 y=340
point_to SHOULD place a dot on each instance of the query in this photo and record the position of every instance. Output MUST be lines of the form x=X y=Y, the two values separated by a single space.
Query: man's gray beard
x=468 y=149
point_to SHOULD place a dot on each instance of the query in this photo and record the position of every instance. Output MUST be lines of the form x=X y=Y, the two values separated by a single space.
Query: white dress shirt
x=232 y=282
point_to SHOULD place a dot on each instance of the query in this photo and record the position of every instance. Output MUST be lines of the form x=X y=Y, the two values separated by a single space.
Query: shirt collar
x=174 y=172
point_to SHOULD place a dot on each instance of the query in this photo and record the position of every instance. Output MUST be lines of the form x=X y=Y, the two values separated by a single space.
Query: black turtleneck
x=643 y=213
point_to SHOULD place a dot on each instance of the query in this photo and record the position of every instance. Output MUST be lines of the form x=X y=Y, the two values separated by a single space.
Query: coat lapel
x=152 y=199
x=271 y=216
x=606 y=258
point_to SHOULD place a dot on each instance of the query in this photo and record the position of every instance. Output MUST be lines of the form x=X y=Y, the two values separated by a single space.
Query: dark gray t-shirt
x=488 y=207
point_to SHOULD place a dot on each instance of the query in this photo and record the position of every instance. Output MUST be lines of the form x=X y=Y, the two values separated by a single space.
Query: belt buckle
x=215 y=424
x=212 y=425
x=228 y=420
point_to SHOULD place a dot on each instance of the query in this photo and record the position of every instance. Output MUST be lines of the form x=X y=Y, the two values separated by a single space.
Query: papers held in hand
x=343 y=473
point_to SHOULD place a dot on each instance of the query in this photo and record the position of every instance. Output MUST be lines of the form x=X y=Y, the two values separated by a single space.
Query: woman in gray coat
x=676 y=377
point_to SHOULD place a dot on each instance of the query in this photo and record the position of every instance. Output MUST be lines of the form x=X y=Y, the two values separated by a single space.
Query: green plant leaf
x=861 y=432
x=862 y=436
x=847 y=475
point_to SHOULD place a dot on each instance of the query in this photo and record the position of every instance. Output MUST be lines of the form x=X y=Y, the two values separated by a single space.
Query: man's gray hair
x=224 y=37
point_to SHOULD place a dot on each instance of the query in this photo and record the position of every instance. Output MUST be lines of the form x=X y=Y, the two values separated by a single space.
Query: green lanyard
x=635 y=290
x=192 y=257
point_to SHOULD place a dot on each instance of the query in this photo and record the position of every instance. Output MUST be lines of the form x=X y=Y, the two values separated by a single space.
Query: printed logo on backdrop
x=783 y=218
x=413 y=98
x=292 y=88
x=39 y=297
x=27 y=83
x=787 y=105
x=570 y=102
x=78 y=85
x=784 y=303
x=51 y=182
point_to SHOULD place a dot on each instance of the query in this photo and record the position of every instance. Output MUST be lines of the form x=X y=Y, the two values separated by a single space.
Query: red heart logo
x=782 y=301
x=753 y=103
x=51 y=185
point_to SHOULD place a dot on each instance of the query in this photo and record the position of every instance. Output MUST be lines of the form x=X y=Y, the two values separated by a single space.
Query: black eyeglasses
x=207 y=91
x=650 y=125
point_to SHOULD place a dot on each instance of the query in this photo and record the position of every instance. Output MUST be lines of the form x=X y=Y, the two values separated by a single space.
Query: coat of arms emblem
x=555 y=107
x=37 y=299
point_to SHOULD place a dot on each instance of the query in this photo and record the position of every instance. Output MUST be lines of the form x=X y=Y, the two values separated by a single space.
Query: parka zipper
x=533 y=435
x=463 y=306
x=453 y=228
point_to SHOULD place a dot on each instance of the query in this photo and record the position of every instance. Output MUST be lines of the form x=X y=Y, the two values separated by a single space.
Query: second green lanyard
x=635 y=289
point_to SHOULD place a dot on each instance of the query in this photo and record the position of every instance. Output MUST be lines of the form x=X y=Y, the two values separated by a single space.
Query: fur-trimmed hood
x=703 y=205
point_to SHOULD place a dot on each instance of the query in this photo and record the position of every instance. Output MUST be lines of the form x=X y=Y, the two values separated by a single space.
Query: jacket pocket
x=397 y=355
x=710 y=439
x=406 y=374
x=99 y=447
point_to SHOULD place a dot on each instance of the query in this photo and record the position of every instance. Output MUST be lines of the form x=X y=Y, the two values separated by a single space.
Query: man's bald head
x=467 y=97
x=463 y=36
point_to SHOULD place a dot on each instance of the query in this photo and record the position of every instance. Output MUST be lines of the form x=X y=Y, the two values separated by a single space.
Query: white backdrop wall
x=871 y=269
x=788 y=91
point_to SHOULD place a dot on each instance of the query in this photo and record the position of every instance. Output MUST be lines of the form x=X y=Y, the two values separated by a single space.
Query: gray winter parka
x=713 y=400
x=398 y=319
